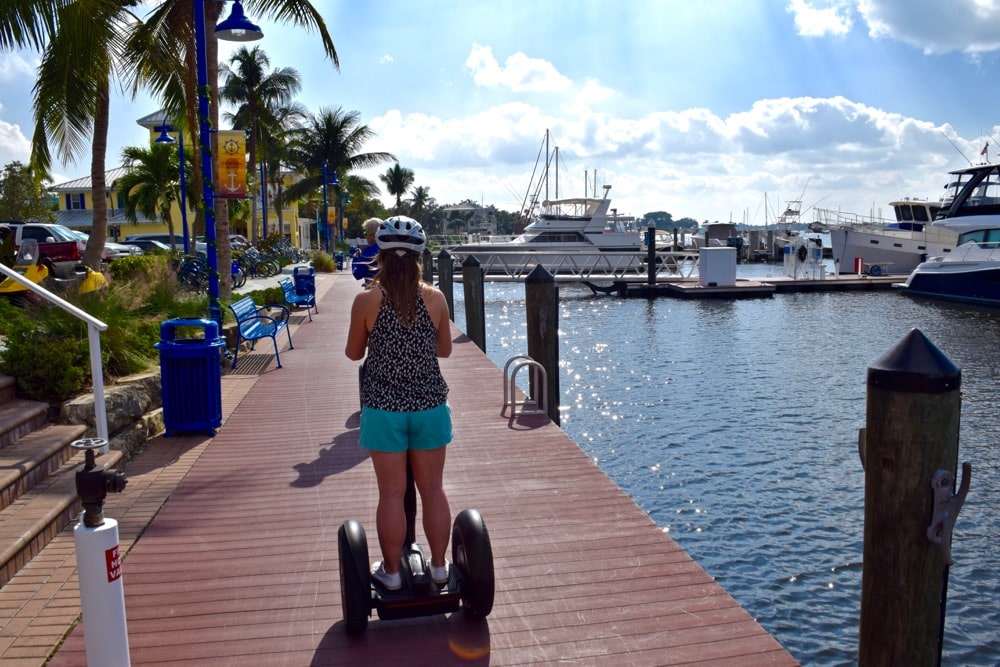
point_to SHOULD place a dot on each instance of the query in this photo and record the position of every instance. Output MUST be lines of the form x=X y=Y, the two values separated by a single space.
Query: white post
x=102 y=595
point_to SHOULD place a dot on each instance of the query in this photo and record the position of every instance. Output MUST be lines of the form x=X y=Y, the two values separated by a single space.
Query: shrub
x=48 y=349
x=46 y=368
x=323 y=262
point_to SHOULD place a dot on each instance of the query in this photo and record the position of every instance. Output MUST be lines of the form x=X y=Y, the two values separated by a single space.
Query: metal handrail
x=94 y=327
x=540 y=378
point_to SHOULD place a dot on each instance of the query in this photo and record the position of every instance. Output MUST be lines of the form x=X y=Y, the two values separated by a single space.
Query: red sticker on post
x=113 y=558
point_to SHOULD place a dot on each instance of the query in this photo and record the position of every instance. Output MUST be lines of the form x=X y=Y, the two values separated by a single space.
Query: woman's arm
x=437 y=307
x=361 y=319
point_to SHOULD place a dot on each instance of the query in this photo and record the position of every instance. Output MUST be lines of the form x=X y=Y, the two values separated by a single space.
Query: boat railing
x=94 y=329
x=582 y=264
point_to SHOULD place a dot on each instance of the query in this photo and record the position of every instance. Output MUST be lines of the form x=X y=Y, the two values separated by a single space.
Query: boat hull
x=902 y=252
x=963 y=282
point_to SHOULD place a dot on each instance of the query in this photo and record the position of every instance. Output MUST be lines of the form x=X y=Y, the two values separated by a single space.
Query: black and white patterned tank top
x=402 y=373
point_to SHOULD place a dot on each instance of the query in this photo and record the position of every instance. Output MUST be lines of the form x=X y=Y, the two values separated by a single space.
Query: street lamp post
x=321 y=231
x=263 y=199
x=164 y=138
x=235 y=28
x=345 y=199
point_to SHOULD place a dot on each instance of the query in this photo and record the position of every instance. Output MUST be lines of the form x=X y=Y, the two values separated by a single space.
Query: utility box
x=717 y=267
x=191 y=377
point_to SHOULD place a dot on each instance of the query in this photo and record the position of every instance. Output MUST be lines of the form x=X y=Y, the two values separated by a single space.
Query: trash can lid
x=169 y=328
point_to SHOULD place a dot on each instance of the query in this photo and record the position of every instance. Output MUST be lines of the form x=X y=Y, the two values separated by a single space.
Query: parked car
x=162 y=238
x=59 y=249
x=149 y=246
x=112 y=250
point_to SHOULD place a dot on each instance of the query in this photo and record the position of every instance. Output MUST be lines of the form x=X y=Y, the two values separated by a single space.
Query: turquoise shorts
x=385 y=431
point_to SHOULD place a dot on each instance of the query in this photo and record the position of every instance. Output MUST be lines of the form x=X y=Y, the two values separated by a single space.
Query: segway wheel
x=355 y=578
x=473 y=556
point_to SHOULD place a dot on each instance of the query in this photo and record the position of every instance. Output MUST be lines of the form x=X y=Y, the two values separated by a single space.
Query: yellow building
x=76 y=203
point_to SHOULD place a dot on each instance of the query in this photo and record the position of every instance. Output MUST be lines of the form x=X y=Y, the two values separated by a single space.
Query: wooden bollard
x=475 y=302
x=651 y=256
x=911 y=432
x=446 y=279
x=427 y=271
x=541 y=301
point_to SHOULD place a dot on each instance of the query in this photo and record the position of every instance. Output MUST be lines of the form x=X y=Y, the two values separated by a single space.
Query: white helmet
x=403 y=234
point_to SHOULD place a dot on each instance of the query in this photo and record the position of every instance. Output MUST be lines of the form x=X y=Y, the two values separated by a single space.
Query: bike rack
x=510 y=390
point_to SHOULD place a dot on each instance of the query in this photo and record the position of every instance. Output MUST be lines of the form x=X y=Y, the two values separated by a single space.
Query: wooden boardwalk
x=240 y=565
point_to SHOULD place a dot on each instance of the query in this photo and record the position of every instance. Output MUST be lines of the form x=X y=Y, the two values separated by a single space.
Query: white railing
x=94 y=329
x=584 y=264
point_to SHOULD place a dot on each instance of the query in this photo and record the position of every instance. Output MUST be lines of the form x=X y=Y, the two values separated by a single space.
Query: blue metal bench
x=253 y=323
x=296 y=299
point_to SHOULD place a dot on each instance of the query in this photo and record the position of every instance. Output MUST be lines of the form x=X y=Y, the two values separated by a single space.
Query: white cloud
x=970 y=26
x=833 y=152
x=14 y=146
x=816 y=21
x=519 y=73
x=14 y=67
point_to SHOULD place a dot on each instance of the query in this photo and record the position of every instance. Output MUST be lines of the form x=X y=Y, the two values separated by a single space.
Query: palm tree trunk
x=224 y=251
x=99 y=227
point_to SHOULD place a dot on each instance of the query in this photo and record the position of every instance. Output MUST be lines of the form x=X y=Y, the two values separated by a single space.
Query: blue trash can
x=339 y=258
x=191 y=377
x=304 y=278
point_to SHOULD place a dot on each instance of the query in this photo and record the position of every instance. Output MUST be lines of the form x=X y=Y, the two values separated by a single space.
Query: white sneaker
x=440 y=574
x=390 y=582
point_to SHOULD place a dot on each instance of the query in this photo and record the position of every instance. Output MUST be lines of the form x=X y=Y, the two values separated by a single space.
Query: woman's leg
x=428 y=474
x=390 y=520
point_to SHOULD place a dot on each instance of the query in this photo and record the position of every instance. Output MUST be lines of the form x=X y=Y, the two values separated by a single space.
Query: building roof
x=85 y=183
x=84 y=219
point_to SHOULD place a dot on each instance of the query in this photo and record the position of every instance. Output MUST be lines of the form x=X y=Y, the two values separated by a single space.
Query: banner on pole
x=232 y=165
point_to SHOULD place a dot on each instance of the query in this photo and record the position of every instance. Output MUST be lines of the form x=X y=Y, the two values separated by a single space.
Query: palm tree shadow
x=343 y=454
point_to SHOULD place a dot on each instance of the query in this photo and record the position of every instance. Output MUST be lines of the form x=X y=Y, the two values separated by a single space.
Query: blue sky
x=698 y=108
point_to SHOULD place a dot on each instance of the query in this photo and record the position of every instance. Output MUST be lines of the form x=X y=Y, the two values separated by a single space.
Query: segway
x=470 y=575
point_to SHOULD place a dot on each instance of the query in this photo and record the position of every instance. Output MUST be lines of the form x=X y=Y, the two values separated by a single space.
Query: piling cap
x=915 y=365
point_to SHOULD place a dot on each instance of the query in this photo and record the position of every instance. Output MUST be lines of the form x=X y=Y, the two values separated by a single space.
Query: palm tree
x=82 y=46
x=397 y=181
x=420 y=201
x=335 y=138
x=151 y=185
x=258 y=95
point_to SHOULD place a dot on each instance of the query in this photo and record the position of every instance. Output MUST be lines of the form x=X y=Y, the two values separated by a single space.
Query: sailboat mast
x=548 y=157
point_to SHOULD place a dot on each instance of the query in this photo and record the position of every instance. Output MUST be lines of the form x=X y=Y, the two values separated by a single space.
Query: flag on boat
x=985 y=146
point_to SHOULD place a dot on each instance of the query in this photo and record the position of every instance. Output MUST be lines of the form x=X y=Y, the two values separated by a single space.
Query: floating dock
x=742 y=289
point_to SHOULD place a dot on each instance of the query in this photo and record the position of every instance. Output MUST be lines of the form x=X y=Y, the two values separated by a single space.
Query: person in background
x=364 y=265
x=403 y=326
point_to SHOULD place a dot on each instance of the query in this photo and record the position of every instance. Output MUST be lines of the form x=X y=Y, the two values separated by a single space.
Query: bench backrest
x=244 y=309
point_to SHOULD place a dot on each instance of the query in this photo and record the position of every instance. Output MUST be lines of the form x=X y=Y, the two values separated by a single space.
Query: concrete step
x=18 y=417
x=34 y=457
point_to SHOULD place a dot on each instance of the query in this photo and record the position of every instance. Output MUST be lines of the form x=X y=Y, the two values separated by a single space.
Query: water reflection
x=734 y=425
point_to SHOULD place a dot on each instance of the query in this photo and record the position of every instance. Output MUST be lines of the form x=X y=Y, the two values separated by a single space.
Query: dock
x=231 y=541
x=742 y=288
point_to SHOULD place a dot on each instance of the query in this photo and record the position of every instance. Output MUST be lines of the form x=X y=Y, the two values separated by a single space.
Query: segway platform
x=470 y=584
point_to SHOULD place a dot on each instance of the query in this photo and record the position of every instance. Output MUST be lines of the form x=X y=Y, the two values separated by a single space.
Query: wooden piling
x=427 y=270
x=446 y=279
x=475 y=302
x=912 y=424
x=651 y=256
x=541 y=300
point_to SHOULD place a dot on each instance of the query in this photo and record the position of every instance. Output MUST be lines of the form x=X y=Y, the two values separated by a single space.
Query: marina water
x=734 y=425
